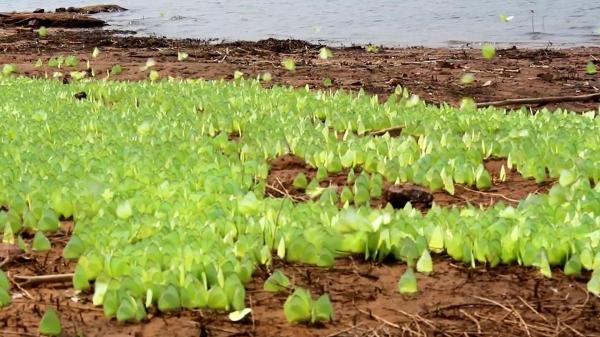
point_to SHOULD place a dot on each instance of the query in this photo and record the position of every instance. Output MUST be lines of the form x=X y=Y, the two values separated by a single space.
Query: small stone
x=33 y=23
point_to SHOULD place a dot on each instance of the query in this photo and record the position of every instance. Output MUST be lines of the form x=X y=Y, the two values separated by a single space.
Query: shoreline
x=432 y=73
x=148 y=24
x=454 y=300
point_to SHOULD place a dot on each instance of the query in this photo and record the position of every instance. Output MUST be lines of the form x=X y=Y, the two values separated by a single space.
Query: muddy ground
x=453 y=301
x=433 y=74
x=510 y=189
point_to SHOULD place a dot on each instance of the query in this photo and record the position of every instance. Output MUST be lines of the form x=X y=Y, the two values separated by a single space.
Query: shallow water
x=387 y=22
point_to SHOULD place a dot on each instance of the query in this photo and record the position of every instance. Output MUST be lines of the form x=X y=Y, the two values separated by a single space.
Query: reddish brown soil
x=284 y=169
x=513 y=189
x=454 y=301
x=433 y=74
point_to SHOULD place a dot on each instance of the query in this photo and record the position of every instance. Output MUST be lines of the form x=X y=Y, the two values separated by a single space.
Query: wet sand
x=432 y=73
x=453 y=301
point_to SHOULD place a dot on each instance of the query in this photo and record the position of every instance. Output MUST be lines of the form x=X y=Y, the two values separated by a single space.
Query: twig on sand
x=456 y=306
x=417 y=318
x=542 y=100
x=489 y=194
x=39 y=279
x=418 y=62
x=532 y=309
x=472 y=319
x=572 y=329
x=505 y=70
x=559 y=322
x=284 y=193
x=25 y=292
x=17 y=333
x=393 y=131
x=337 y=333
x=7 y=260
x=9 y=251
x=216 y=328
x=511 y=311
x=380 y=319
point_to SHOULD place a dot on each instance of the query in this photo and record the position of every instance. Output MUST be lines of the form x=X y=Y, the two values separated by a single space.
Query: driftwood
x=35 y=20
x=542 y=100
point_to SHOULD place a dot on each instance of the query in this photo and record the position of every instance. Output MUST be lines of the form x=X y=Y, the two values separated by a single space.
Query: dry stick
x=33 y=280
x=587 y=295
x=472 y=319
x=418 y=62
x=16 y=333
x=215 y=328
x=504 y=70
x=457 y=306
x=414 y=321
x=532 y=309
x=573 y=330
x=542 y=100
x=380 y=319
x=80 y=307
x=284 y=193
x=417 y=317
x=541 y=329
x=411 y=331
x=382 y=132
x=518 y=315
x=489 y=194
x=7 y=260
x=373 y=332
x=70 y=305
x=252 y=313
x=345 y=330
x=512 y=311
x=25 y=292
x=557 y=329
x=511 y=321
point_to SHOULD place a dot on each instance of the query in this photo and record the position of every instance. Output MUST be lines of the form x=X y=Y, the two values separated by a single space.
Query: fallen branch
x=488 y=194
x=417 y=318
x=542 y=100
x=510 y=311
x=472 y=319
x=18 y=333
x=284 y=193
x=34 y=280
x=380 y=319
x=20 y=287
x=394 y=131
x=7 y=260
x=537 y=313
x=345 y=330
x=418 y=62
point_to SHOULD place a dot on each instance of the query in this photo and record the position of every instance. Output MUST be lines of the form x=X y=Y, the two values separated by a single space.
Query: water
x=345 y=22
